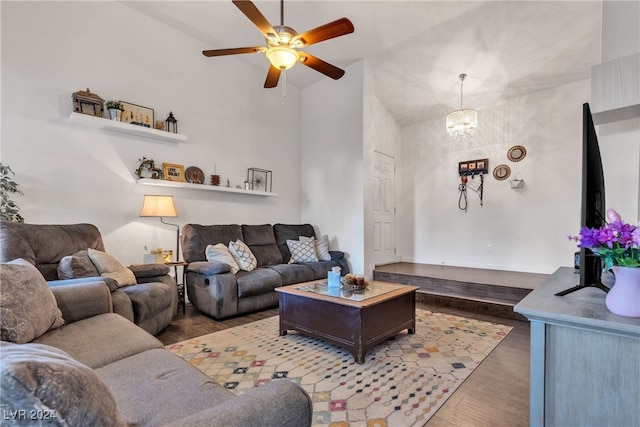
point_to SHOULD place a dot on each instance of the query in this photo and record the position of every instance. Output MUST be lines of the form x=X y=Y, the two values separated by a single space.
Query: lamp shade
x=158 y=206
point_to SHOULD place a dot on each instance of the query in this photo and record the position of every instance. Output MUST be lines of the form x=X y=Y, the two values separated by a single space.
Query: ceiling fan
x=283 y=43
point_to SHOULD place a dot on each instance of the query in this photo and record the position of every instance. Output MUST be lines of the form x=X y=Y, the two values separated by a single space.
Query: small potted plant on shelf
x=115 y=109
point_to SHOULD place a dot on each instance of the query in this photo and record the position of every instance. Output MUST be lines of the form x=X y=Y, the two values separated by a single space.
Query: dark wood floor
x=495 y=394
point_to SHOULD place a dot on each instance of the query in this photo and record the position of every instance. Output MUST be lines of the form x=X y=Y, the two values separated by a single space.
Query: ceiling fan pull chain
x=284 y=85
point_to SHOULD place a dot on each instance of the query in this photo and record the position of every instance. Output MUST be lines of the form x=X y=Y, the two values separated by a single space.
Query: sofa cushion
x=220 y=253
x=322 y=247
x=156 y=387
x=256 y=282
x=149 y=299
x=243 y=255
x=100 y=340
x=196 y=238
x=321 y=268
x=262 y=241
x=77 y=266
x=108 y=266
x=302 y=251
x=28 y=306
x=284 y=232
x=41 y=379
x=293 y=273
x=146 y=271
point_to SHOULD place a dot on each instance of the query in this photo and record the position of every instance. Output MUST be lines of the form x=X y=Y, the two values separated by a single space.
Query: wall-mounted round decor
x=516 y=153
x=501 y=172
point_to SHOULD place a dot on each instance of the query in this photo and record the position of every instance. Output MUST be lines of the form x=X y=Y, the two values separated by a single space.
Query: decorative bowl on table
x=352 y=282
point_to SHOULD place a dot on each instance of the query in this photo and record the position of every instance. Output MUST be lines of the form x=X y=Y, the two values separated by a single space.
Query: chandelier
x=462 y=123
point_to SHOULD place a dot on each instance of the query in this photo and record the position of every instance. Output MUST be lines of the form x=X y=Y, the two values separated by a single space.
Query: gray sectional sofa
x=151 y=302
x=215 y=290
x=100 y=369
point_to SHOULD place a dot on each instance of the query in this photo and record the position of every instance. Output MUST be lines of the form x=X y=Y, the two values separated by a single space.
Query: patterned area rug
x=402 y=382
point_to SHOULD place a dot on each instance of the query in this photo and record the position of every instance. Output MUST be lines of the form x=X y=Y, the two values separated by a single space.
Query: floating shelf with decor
x=187 y=185
x=115 y=126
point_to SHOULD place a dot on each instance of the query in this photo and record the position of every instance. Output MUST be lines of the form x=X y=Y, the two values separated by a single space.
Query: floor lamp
x=161 y=206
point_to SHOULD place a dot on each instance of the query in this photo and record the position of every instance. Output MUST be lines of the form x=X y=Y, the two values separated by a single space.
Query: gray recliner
x=151 y=303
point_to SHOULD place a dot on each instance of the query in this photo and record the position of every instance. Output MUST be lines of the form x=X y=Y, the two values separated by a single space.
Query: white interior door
x=384 y=209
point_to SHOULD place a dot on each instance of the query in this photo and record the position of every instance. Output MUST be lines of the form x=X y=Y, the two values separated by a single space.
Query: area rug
x=402 y=382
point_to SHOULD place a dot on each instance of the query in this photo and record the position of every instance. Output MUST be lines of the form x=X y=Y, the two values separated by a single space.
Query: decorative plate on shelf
x=194 y=175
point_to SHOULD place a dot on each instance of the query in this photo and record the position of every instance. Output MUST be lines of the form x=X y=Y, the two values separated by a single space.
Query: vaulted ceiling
x=417 y=49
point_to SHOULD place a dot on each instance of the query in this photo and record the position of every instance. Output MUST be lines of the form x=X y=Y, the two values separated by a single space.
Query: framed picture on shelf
x=137 y=115
x=173 y=172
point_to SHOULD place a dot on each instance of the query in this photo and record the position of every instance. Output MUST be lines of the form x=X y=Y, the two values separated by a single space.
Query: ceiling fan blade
x=233 y=51
x=328 y=31
x=255 y=16
x=321 y=66
x=273 y=76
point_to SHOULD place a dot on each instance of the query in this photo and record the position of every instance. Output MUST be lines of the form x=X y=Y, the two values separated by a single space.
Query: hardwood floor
x=495 y=394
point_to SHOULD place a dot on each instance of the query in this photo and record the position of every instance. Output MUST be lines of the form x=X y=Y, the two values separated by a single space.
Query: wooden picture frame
x=173 y=172
x=137 y=115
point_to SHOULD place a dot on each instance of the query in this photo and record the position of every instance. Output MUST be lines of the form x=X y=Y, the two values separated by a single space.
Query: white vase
x=624 y=297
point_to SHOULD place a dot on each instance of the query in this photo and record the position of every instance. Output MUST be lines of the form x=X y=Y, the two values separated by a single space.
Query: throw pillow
x=108 y=266
x=220 y=253
x=28 y=306
x=322 y=247
x=76 y=266
x=302 y=251
x=43 y=380
x=243 y=255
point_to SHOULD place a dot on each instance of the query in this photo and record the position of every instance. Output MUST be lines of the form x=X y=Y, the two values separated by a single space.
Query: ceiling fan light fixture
x=462 y=123
x=282 y=57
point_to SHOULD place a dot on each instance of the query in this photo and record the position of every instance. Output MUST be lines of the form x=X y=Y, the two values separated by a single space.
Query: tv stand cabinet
x=585 y=360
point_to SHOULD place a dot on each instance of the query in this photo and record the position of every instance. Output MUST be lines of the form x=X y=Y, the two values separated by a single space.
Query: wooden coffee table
x=355 y=321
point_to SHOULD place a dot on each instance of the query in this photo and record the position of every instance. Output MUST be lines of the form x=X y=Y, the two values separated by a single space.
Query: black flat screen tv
x=593 y=202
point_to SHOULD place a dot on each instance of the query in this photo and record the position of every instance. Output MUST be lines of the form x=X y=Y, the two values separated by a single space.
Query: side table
x=181 y=290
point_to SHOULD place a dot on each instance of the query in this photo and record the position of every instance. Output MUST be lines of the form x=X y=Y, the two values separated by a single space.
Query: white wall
x=382 y=133
x=71 y=173
x=527 y=227
x=332 y=161
x=620 y=141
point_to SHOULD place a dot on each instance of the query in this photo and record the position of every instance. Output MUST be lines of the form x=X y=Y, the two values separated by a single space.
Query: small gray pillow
x=45 y=381
x=76 y=266
x=28 y=306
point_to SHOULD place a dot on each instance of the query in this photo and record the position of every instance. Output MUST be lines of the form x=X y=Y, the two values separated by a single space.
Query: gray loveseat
x=99 y=369
x=214 y=289
x=151 y=302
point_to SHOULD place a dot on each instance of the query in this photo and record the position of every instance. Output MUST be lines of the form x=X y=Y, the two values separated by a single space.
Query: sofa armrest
x=208 y=267
x=142 y=271
x=111 y=283
x=81 y=300
x=280 y=403
x=336 y=254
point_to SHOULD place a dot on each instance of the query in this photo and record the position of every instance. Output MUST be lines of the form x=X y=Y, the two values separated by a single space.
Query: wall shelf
x=112 y=125
x=187 y=185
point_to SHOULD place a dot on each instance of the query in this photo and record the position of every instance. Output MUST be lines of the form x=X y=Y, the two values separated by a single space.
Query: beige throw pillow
x=243 y=255
x=28 y=306
x=220 y=253
x=108 y=266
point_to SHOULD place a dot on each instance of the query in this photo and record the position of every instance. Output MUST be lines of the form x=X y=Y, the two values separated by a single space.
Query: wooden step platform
x=493 y=292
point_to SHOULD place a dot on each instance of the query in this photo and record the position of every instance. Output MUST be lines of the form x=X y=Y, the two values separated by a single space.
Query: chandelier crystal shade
x=462 y=123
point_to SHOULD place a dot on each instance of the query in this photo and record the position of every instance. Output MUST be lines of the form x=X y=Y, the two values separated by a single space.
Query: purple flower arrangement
x=617 y=243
